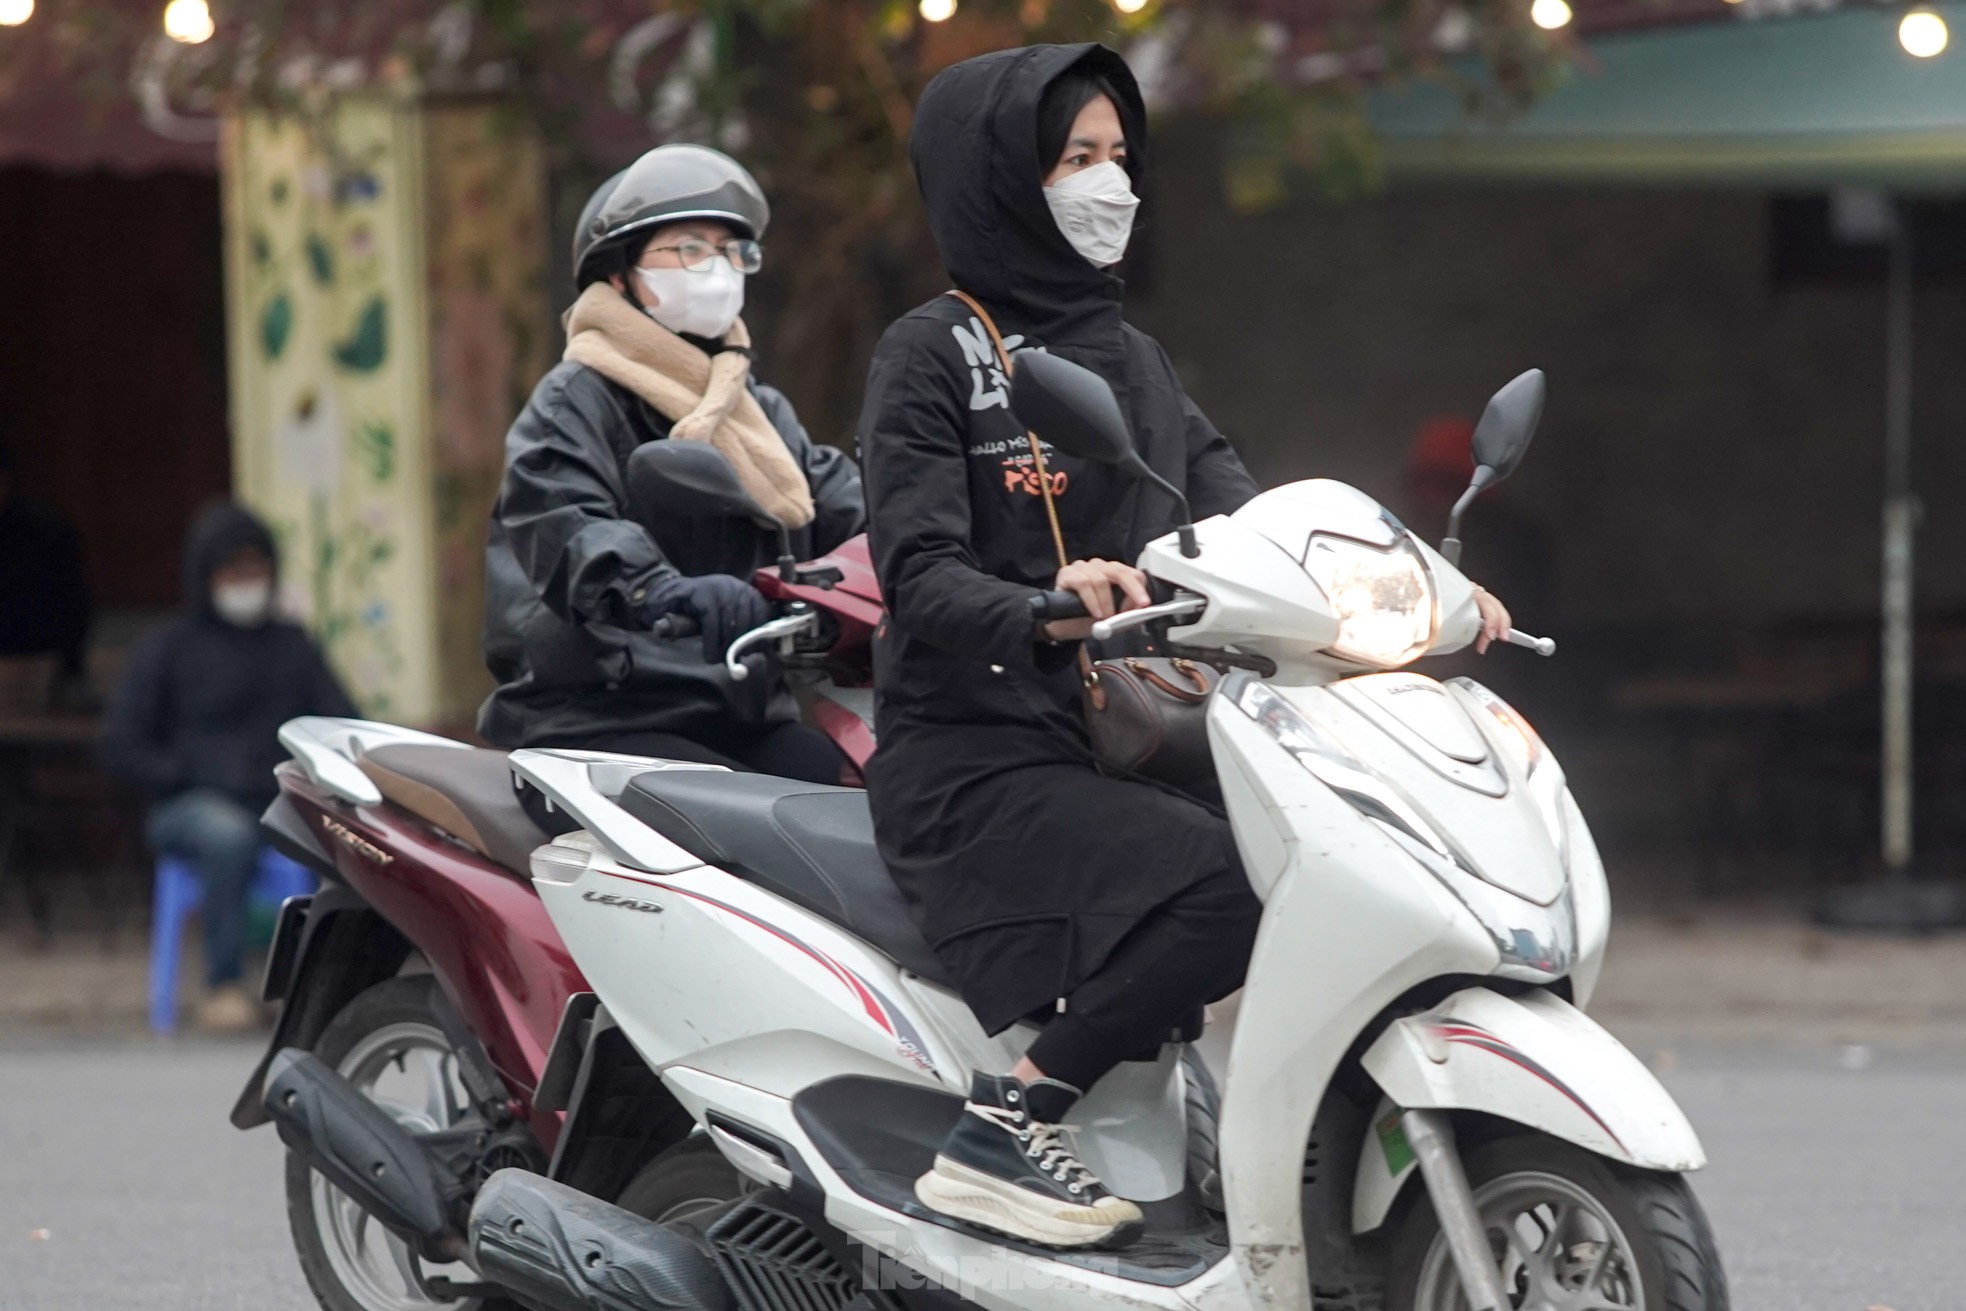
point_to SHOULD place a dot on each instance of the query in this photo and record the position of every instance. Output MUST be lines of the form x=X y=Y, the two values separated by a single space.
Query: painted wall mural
x=387 y=306
x=492 y=338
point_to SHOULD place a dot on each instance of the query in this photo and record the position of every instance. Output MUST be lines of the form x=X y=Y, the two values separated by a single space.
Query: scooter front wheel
x=1570 y=1230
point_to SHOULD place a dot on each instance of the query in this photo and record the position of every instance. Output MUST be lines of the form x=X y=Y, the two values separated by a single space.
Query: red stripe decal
x=1471 y=1036
x=837 y=970
x=1463 y=1031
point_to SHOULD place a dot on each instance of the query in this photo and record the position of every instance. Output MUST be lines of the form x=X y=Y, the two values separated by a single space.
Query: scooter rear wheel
x=390 y=1044
x=1570 y=1230
x=686 y=1181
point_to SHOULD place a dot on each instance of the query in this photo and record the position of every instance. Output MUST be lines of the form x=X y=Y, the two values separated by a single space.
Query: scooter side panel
x=1538 y=1061
x=785 y=1062
x=691 y=961
x=1349 y=925
x=947 y=1017
x=481 y=927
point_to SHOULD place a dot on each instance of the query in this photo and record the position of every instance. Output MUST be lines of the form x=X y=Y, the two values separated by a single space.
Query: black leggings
x=788 y=750
x=1191 y=950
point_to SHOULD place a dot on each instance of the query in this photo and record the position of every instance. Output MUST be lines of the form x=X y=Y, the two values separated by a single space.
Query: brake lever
x=785 y=626
x=1180 y=608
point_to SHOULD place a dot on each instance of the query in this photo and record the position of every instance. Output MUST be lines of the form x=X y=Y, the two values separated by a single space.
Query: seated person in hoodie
x=195 y=726
x=575 y=582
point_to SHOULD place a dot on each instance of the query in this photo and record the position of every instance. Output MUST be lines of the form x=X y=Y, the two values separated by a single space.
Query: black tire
x=1678 y=1264
x=687 y=1179
x=407 y=1000
x=1203 y=1098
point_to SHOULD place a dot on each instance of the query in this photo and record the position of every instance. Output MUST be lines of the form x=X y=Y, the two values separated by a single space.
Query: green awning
x=1820 y=100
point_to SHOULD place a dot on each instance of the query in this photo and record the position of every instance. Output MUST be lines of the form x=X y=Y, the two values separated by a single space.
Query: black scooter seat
x=810 y=844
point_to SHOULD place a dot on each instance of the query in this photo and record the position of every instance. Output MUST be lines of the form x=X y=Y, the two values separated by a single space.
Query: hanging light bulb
x=1129 y=6
x=188 y=22
x=938 y=11
x=15 y=12
x=1550 y=14
x=1922 y=33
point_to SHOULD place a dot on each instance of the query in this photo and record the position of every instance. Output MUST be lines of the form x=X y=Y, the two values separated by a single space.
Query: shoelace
x=1058 y=1155
x=1050 y=1145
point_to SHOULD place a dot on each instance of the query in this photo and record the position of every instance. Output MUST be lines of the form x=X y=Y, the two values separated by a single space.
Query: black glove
x=724 y=608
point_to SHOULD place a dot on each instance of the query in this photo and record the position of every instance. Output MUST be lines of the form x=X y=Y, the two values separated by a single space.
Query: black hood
x=215 y=535
x=975 y=151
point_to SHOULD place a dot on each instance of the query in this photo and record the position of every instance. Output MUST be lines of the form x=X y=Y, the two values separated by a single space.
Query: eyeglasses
x=745 y=256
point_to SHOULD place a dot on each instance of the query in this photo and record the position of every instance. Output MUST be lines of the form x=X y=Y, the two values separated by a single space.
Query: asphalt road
x=1836 y=1184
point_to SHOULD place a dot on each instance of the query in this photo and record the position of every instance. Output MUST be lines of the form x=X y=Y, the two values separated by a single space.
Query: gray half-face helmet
x=667 y=184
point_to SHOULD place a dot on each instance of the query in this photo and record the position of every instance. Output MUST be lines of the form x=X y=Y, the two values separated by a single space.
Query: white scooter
x=1415 y=1112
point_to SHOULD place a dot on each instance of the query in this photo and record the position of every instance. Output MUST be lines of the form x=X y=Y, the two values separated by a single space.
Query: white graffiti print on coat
x=987 y=385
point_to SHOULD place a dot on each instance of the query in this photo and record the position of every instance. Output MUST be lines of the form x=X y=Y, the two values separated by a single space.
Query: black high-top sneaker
x=1007 y=1166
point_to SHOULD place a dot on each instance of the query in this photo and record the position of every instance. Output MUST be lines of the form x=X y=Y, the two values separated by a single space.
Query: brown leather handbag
x=1147 y=715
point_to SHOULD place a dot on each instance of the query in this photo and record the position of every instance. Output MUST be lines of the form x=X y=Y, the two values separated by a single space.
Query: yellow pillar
x=388 y=316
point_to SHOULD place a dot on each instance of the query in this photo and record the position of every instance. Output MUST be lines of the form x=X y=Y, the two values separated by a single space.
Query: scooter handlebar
x=1542 y=646
x=1047 y=606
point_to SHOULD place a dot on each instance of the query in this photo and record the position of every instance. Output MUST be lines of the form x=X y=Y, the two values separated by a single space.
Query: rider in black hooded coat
x=1027 y=868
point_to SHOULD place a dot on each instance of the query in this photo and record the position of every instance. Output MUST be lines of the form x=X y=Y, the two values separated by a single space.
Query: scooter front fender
x=1532 y=1059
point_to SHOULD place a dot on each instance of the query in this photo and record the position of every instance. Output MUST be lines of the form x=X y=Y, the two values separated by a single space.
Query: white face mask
x=243 y=605
x=1094 y=209
x=702 y=301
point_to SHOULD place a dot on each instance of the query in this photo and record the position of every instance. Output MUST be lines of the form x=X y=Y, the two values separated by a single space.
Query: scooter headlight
x=1382 y=598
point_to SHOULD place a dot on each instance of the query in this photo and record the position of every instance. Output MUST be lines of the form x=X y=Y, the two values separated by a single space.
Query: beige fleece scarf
x=703 y=396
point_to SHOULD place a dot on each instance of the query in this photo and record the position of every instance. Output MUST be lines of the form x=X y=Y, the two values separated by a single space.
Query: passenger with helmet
x=656 y=351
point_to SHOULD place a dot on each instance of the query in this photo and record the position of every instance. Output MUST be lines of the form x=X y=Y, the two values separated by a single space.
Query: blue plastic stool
x=177 y=896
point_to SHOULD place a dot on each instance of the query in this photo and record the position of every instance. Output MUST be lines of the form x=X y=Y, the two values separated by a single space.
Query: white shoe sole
x=957 y=1191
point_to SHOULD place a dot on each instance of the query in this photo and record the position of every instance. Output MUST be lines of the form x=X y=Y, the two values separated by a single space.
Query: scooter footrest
x=879 y=1135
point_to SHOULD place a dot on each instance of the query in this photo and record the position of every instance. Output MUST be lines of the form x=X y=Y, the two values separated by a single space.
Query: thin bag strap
x=1037 y=452
x=1087 y=674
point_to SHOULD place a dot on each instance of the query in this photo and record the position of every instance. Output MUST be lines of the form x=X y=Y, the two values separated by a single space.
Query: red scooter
x=434 y=1029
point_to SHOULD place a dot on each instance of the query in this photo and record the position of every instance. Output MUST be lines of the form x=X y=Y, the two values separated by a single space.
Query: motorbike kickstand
x=442 y=1288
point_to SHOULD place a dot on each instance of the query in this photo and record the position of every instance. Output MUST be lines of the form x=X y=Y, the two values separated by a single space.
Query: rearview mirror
x=688 y=480
x=1071 y=407
x=1507 y=425
x=1075 y=410
x=692 y=480
x=1500 y=440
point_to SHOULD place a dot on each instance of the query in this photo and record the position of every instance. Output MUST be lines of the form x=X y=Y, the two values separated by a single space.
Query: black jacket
x=566 y=568
x=1025 y=865
x=202 y=700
